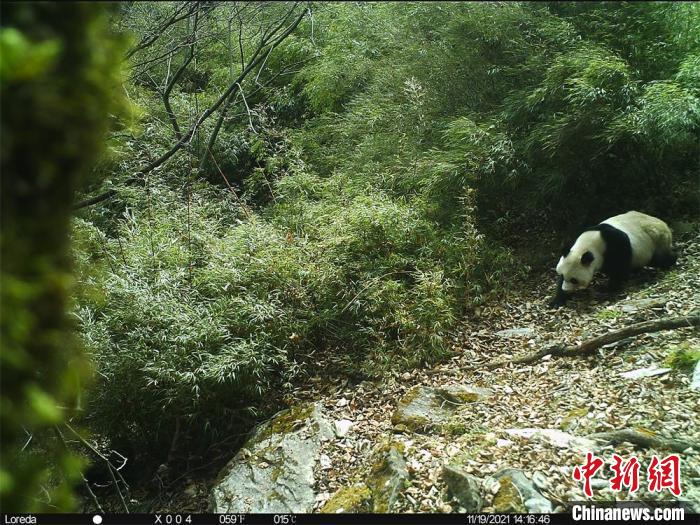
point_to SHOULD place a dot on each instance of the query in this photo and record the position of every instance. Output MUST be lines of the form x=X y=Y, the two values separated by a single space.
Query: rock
x=423 y=408
x=695 y=382
x=691 y=495
x=342 y=427
x=463 y=487
x=354 y=499
x=388 y=476
x=555 y=437
x=642 y=304
x=273 y=472
x=650 y=371
x=325 y=461
x=540 y=480
x=516 y=332
x=518 y=494
x=599 y=484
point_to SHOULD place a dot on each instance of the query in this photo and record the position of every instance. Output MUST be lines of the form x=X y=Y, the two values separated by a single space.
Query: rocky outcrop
x=424 y=408
x=274 y=471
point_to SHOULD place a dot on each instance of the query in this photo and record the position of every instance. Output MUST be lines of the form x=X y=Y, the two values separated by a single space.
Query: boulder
x=273 y=472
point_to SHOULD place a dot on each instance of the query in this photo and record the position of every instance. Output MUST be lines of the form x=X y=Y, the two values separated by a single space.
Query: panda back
x=647 y=235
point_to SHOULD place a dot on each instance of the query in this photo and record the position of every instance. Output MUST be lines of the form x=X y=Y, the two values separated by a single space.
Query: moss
x=455 y=428
x=683 y=356
x=508 y=497
x=571 y=417
x=401 y=429
x=458 y=397
x=413 y=423
x=605 y=315
x=287 y=421
x=352 y=499
x=410 y=396
x=382 y=453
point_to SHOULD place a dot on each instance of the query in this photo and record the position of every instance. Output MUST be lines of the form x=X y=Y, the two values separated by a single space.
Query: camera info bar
x=330 y=519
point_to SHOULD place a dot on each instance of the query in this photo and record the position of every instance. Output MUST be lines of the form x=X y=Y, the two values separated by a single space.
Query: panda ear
x=565 y=248
x=587 y=258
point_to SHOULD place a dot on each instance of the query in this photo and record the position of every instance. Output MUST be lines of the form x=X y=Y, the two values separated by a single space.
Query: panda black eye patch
x=587 y=258
x=573 y=280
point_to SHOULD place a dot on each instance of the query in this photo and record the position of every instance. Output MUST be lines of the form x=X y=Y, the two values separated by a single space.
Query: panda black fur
x=616 y=247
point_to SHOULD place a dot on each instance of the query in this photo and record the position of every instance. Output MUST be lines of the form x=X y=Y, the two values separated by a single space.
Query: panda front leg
x=616 y=281
x=561 y=296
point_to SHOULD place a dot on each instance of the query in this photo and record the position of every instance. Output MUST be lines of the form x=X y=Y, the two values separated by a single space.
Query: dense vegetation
x=340 y=182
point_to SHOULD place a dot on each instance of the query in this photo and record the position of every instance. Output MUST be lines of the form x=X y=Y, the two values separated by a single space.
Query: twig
x=113 y=471
x=85 y=480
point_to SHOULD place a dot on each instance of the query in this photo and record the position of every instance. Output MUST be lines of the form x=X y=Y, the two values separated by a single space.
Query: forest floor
x=579 y=395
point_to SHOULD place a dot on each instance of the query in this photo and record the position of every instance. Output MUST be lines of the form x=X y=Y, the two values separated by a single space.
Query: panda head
x=577 y=267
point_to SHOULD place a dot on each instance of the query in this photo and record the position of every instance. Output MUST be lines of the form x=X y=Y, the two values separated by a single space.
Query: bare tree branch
x=271 y=40
x=176 y=77
x=158 y=31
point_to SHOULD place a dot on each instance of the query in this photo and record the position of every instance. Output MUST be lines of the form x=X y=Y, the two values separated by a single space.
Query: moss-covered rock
x=518 y=494
x=388 y=475
x=508 y=497
x=423 y=408
x=353 y=499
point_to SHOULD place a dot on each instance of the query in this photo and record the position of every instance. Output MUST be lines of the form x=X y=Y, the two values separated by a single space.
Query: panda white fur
x=615 y=247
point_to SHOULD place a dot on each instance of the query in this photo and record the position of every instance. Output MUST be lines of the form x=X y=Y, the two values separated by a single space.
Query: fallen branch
x=589 y=346
x=644 y=440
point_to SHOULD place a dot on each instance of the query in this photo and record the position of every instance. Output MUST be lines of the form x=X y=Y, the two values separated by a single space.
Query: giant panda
x=615 y=247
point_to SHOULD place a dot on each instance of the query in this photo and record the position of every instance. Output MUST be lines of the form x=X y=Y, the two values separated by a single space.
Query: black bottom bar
x=303 y=519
